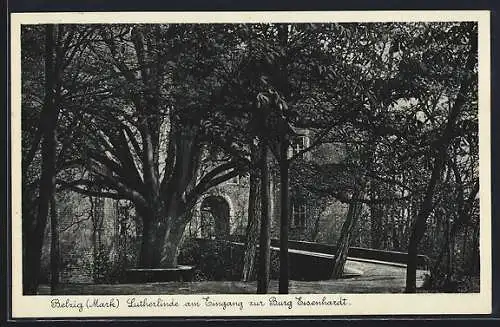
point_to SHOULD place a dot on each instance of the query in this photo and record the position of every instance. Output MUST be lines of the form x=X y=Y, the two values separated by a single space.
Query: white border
x=360 y=304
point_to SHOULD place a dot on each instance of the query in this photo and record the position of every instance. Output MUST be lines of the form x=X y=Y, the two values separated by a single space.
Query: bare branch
x=199 y=189
x=100 y=194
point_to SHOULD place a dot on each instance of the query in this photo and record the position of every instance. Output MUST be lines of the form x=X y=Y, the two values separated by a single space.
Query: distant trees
x=402 y=96
x=159 y=114
x=443 y=78
x=51 y=49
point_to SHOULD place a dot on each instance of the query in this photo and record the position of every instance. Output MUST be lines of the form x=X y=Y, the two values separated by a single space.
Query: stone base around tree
x=150 y=275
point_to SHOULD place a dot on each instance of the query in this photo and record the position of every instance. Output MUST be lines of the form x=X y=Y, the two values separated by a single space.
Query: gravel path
x=374 y=278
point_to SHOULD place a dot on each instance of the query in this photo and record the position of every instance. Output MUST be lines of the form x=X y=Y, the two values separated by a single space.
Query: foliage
x=159 y=114
x=214 y=260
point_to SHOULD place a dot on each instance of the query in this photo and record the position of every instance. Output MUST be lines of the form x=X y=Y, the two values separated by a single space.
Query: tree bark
x=461 y=221
x=440 y=155
x=154 y=229
x=252 y=231
x=122 y=216
x=54 y=247
x=376 y=219
x=474 y=262
x=450 y=249
x=145 y=253
x=171 y=245
x=265 y=225
x=419 y=231
x=345 y=236
x=32 y=263
x=285 y=212
x=464 y=245
x=97 y=213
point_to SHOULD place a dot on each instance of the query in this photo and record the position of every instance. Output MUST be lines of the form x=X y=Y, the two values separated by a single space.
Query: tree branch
x=101 y=194
x=216 y=171
x=200 y=189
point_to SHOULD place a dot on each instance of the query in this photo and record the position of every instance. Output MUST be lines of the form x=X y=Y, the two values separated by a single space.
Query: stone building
x=223 y=210
x=93 y=229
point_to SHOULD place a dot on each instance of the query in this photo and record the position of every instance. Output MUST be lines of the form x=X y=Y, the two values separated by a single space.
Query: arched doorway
x=215 y=217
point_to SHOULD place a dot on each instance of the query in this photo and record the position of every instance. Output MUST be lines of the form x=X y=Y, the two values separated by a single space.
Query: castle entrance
x=215 y=217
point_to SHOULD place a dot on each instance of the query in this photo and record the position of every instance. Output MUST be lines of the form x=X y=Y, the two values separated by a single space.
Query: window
x=298 y=144
x=235 y=180
x=298 y=214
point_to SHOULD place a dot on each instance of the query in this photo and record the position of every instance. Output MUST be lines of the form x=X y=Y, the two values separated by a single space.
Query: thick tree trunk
x=153 y=234
x=162 y=232
x=54 y=247
x=171 y=245
x=146 y=254
x=285 y=213
x=345 y=236
x=252 y=231
x=265 y=225
x=167 y=209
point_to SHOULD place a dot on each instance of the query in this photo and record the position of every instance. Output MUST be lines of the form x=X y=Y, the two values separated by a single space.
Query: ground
x=374 y=278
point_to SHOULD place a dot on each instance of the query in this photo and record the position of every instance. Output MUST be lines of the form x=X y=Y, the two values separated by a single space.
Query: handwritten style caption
x=162 y=302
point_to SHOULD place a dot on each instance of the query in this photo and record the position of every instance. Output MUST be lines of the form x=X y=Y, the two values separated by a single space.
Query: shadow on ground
x=371 y=278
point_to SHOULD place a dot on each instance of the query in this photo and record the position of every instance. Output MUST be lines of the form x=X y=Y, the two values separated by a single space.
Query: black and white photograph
x=302 y=164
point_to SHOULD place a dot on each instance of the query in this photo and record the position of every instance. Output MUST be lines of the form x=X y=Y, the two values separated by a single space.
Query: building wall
x=76 y=238
x=236 y=194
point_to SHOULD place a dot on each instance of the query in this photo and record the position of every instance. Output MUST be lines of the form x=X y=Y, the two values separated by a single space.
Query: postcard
x=224 y=164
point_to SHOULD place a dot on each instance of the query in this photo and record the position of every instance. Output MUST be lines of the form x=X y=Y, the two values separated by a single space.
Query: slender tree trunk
x=122 y=235
x=451 y=233
x=345 y=236
x=416 y=236
x=97 y=220
x=314 y=234
x=376 y=218
x=436 y=270
x=265 y=225
x=464 y=246
x=474 y=258
x=252 y=232
x=47 y=179
x=421 y=223
x=285 y=216
x=54 y=247
x=94 y=237
x=116 y=226
x=395 y=235
x=449 y=253
x=439 y=160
